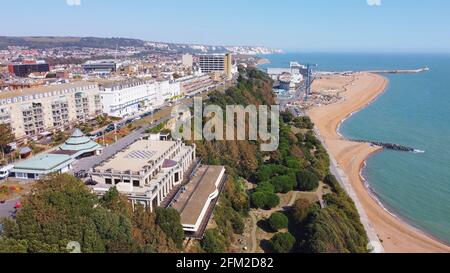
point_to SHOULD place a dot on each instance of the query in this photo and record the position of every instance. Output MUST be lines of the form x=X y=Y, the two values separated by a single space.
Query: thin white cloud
x=73 y=2
x=374 y=3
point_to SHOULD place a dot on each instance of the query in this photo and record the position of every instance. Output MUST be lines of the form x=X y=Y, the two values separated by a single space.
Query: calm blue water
x=415 y=111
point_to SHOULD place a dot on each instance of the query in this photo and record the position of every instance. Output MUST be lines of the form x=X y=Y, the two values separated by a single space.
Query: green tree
x=265 y=187
x=283 y=184
x=331 y=231
x=278 y=221
x=169 y=221
x=300 y=210
x=13 y=246
x=61 y=209
x=148 y=237
x=259 y=199
x=265 y=200
x=307 y=181
x=213 y=242
x=272 y=200
x=282 y=242
x=6 y=136
x=287 y=116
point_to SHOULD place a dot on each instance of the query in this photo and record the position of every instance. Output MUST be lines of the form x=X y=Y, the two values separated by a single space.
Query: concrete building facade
x=128 y=98
x=217 y=63
x=145 y=172
x=187 y=60
x=156 y=173
x=33 y=111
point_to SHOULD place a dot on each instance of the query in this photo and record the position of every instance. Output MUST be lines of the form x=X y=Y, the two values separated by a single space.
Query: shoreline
x=396 y=234
x=386 y=208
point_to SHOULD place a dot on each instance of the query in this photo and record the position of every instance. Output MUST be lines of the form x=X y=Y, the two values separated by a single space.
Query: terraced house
x=44 y=109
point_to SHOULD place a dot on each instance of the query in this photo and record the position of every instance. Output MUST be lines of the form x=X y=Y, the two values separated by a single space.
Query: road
x=8 y=208
x=253 y=238
x=86 y=164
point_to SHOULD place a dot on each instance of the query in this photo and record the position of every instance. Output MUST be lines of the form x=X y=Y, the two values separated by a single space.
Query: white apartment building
x=128 y=98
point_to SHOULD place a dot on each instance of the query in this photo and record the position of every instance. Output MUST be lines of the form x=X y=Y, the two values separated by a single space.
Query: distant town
x=99 y=113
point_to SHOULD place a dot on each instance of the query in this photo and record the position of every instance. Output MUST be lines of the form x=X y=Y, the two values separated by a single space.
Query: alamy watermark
x=211 y=123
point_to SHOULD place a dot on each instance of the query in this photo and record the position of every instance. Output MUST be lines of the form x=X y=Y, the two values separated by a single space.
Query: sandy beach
x=357 y=91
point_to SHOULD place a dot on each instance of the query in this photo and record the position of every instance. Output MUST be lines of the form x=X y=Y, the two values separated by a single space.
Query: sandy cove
x=395 y=235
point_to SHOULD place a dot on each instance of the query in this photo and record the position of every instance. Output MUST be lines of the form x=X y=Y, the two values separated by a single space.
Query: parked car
x=110 y=128
x=5 y=171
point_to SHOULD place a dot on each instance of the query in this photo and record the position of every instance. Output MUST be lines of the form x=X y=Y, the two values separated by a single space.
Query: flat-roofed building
x=196 y=200
x=101 y=66
x=41 y=165
x=193 y=85
x=128 y=98
x=217 y=63
x=146 y=172
x=33 y=111
x=164 y=174
x=187 y=60
x=26 y=68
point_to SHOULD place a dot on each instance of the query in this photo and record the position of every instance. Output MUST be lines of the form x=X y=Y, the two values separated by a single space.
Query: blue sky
x=293 y=25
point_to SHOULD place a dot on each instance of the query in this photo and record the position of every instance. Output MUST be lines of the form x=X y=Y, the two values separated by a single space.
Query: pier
x=400 y=71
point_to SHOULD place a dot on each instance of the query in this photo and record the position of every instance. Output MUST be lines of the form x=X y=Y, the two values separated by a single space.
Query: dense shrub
x=303 y=123
x=213 y=242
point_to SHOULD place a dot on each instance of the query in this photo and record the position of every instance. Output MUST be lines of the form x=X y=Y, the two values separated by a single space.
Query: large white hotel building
x=127 y=98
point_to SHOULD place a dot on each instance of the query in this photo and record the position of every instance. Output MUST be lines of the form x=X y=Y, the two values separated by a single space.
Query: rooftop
x=140 y=154
x=79 y=142
x=203 y=186
x=44 y=89
x=44 y=162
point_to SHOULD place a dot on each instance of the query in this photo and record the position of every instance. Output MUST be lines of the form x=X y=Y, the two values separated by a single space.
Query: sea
x=415 y=112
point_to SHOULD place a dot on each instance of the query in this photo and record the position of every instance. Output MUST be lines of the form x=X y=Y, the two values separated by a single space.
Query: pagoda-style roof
x=79 y=142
